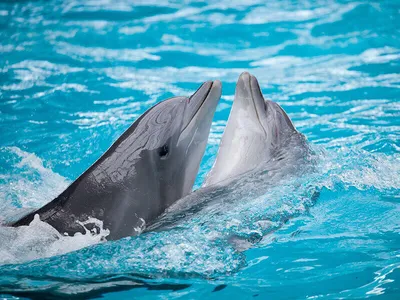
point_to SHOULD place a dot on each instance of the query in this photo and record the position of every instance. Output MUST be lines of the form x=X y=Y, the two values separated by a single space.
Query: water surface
x=75 y=74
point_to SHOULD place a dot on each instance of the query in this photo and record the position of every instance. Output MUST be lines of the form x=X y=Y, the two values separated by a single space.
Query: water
x=75 y=75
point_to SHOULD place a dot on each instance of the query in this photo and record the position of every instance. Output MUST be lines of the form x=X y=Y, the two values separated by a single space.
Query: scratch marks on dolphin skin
x=158 y=125
x=100 y=176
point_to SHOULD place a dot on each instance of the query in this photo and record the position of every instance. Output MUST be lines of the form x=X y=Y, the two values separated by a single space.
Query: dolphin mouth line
x=254 y=104
x=200 y=106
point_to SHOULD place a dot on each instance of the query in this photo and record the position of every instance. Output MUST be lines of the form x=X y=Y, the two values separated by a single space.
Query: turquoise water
x=75 y=74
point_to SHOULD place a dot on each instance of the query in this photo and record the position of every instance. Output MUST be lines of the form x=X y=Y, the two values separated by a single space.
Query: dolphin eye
x=163 y=151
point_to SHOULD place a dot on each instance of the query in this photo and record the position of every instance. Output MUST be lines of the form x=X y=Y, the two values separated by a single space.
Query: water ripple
x=75 y=74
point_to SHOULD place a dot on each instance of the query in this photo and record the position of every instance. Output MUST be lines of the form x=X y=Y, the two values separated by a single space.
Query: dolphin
x=260 y=148
x=258 y=133
x=150 y=166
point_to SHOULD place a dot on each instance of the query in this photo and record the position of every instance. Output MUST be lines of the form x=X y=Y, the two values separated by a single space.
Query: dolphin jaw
x=249 y=96
x=210 y=91
x=195 y=102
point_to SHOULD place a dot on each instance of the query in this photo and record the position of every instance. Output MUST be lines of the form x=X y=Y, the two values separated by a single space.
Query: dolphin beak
x=249 y=93
x=204 y=100
x=249 y=98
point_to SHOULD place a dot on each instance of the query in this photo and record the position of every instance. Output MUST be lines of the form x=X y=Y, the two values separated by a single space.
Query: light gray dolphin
x=260 y=147
x=152 y=164
x=258 y=132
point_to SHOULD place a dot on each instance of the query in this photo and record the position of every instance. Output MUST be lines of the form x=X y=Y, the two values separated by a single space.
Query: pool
x=75 y=74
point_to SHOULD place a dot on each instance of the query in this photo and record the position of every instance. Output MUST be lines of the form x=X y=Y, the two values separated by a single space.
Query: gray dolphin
x=260 y=147
x=258 y=132
x=152 y=164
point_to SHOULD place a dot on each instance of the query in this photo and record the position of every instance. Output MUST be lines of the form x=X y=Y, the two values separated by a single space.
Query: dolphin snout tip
x=216 y=84
x=213 y=87
x=206 y=85
x=245 y=76
x=243 y=85
x=248 y=78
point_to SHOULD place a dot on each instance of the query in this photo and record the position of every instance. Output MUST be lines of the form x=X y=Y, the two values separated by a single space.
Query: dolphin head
x=256 y=131
x=172 y=139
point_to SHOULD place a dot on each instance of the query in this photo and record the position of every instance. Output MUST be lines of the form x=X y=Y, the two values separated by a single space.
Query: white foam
x=30 y=185
x=40 y=240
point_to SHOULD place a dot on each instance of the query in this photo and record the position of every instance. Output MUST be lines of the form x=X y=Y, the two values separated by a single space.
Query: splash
x=25 y=183
x=40 y=240
x=332 y=65
x=28 y=187
x=204 y=244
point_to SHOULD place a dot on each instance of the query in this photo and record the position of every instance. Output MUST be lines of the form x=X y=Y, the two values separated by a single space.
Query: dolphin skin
x=260 y=147
x=153 y=164
x=258 y=132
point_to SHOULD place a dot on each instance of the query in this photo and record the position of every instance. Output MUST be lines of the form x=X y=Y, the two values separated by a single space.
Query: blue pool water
x=75 y=74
